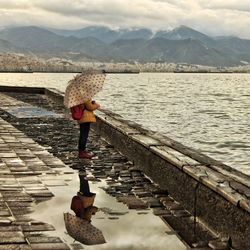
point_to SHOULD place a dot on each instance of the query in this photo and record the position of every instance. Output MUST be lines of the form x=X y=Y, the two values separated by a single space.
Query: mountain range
x=180 y=45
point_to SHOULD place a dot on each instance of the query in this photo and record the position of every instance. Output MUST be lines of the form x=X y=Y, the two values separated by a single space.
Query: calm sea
x=208 y=112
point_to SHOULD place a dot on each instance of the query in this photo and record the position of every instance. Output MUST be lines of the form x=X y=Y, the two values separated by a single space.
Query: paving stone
x=200 y=245
x=49 y=246
x=29 y=180
x=218 y=245
x=22 y=151
x=5 y=212
x=18 y=199
x=32 y=185
x=5 y=221
x=6 y=188
x=132 y=202
x=172 y=205
x=7 y=155
x=142 y=194
x=152 y=202
x=11 y=237
x=76 y=246
x=19 y=169
x=180 y=213
x=22 y=219
x=39 y=193
x=44 y=239
x=15 y=247
x=43 y=227
x=21 y=210
x=161 y=212
x=11 y=228
x=14 y=194
x=18 y=204
x=51 y=183
x=26 y=173
x=35 y=188
x=35 y=163
x=5 y=179
x=16 y=163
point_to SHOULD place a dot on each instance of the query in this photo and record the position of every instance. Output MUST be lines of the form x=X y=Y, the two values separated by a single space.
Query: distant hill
x=6 y=46
x=105 y=34
x=184 y=32
x=33 y=38
x=178 y=51
x=180 y=45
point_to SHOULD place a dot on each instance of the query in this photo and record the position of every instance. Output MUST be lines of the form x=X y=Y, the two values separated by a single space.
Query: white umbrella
x=82 y=230
x=83 y=88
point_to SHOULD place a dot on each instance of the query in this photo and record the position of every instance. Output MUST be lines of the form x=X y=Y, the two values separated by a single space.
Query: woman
x=87 y=118
x=82 y=203
x=81 y=88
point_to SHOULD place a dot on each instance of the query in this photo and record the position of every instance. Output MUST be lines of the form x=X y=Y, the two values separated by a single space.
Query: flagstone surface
x=39 y=152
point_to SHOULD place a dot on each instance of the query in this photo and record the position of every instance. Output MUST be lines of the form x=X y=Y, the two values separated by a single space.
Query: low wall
x=216 y=193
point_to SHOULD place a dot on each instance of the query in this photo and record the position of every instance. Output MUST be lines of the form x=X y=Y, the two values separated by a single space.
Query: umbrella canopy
x=83 y=88
x=82 y=230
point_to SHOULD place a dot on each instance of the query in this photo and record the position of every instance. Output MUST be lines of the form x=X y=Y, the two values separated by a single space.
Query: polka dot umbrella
x=83 y=88
x=82 y=230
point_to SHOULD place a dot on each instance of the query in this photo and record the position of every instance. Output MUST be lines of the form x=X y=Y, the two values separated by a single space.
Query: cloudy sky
x=213 y=17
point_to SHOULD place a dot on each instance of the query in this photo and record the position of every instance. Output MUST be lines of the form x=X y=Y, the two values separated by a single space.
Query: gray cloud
x=14 y=5
x=216 y=17
x=227 y=5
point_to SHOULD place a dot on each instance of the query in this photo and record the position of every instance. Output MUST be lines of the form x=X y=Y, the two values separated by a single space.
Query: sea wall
x=214 y=192
x=217 y=194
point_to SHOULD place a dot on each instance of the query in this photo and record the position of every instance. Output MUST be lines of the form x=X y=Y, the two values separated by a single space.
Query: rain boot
x=84 y=154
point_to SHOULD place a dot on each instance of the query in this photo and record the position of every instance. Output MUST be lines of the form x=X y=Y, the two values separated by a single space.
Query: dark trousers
x=84 y=133
x=84 y=186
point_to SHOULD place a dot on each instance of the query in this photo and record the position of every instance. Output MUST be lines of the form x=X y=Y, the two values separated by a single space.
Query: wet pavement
x=39 y=176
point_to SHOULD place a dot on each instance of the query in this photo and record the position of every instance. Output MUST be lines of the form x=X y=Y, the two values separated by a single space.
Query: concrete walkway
x=45 y=155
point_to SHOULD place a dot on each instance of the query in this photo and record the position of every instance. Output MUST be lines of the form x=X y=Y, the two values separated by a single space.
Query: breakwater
x=216 y=195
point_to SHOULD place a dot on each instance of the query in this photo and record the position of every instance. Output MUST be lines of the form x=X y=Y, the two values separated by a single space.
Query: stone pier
x=205 y=201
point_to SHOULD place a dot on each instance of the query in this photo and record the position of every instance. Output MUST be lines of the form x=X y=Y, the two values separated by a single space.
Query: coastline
x=19 y=63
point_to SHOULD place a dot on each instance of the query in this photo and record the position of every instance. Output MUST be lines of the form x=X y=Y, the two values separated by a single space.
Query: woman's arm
x=91 y=105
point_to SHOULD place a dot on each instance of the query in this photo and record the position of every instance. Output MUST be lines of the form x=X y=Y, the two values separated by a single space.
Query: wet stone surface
x=28 y=166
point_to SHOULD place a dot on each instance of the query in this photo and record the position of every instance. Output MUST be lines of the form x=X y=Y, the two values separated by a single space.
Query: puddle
x=31 y=112
x=121 y=227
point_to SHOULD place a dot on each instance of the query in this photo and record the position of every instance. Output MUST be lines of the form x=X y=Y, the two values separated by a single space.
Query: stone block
x=15 y=247
x=5 y=221
x=49 y=246
x=11 y=237
x=132 y=202
x=42 y=227
x=11 y=228
x=43 y=239
x=145 y=140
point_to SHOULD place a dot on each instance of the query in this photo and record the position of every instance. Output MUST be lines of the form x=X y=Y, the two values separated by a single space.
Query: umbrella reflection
x=79 y=225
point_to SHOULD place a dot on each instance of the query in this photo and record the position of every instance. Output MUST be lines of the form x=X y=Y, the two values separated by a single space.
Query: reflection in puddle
x=121 y=227
x=31 y=112
x=79 y=225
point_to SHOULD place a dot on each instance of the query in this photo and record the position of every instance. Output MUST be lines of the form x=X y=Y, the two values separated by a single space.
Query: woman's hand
x=97 y=104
